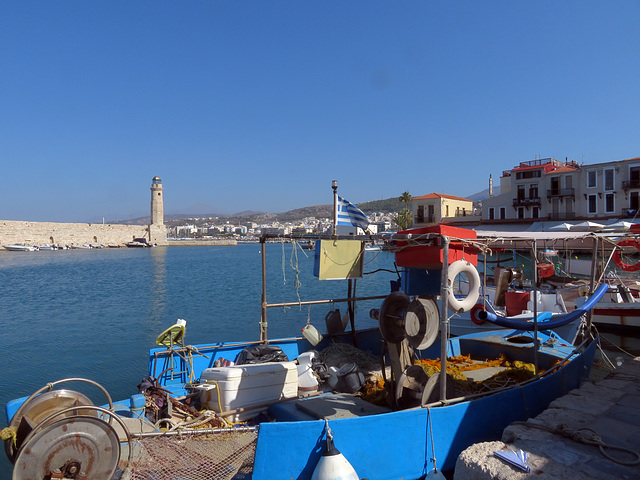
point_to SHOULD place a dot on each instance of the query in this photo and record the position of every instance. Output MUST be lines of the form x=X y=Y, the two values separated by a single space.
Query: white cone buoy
x=435 y=474
x=332 y=465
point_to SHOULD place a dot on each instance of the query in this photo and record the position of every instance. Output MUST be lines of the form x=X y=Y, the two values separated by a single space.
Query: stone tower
x=157 y=230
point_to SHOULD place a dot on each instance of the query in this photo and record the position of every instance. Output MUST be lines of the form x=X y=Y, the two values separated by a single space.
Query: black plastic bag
x=261 y=354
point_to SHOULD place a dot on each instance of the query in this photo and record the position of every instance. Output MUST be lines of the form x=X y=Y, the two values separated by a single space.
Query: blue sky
x=258 y=105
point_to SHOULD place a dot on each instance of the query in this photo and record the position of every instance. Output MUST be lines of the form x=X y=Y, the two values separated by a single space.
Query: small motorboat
x=20 y=248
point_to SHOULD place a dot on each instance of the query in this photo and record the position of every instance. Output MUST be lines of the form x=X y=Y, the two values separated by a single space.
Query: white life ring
x=467 y=303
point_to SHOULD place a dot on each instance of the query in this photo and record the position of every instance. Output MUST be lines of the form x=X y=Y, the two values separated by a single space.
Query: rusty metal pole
x=444 y=327
x=263 y=313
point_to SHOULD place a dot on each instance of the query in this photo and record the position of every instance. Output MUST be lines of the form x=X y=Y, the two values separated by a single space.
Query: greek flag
x=349 y=214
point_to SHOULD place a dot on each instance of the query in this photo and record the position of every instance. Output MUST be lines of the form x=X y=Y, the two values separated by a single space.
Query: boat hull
x=398 y=444
x=623 y=315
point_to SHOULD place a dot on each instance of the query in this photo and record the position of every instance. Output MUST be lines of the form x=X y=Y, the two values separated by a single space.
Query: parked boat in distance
x=138 y=243
x=20 y=248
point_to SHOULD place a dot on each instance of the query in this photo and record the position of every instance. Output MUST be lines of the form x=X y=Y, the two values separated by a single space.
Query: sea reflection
x=158 y=287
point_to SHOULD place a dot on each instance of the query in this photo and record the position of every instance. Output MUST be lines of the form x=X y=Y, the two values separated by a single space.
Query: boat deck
x=326 y=406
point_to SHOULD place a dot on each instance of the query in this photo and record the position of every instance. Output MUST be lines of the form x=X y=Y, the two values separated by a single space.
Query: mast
x=263 y=312
x=334 y=185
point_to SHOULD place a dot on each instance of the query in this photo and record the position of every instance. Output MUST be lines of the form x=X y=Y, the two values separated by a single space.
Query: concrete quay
x=563 y=441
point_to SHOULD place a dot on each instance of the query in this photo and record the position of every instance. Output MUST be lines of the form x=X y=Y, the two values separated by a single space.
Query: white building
x=549 y=189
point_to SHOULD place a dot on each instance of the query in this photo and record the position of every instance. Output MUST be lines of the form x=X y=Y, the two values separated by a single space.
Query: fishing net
x=225 y=456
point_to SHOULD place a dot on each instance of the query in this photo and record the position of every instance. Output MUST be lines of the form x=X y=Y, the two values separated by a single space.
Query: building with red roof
x=549 y=189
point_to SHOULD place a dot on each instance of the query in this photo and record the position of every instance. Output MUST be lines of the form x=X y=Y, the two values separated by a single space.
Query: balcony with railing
x=424 y=219
x=634 y=183
x=526 y=202
x=561 y=192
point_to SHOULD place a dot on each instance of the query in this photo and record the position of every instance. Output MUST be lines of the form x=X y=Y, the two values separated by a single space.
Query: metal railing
x=561 y=192
x=627 y=184
x=525 y=202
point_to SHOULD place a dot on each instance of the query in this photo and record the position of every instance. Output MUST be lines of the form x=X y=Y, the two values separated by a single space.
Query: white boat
x=20 y=248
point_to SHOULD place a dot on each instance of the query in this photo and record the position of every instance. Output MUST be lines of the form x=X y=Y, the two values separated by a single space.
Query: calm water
x=96 y=313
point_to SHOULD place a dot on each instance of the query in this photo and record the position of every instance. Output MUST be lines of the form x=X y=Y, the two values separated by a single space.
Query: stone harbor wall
x=40 y=233
x=592 y=433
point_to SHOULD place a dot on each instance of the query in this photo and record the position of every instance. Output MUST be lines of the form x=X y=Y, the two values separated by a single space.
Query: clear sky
x=258 y=105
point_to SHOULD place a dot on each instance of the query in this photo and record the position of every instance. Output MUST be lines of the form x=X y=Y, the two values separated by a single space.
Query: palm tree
x=406 y=198
x=404 y=219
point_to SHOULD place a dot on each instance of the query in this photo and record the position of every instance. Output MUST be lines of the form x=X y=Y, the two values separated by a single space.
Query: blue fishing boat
x=397 y=401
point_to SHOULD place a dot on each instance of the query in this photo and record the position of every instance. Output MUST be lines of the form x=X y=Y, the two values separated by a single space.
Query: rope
x=293 y=262
x=588 y=436
x=203 y=419
x=433 y=448
x=284 y=276
x=348 y=262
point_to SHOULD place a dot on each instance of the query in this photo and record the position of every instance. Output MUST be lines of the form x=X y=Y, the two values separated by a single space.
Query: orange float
x=627 y=267
x=476 y=308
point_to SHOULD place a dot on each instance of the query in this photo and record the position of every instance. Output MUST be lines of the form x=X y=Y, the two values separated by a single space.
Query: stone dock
x=563 y=441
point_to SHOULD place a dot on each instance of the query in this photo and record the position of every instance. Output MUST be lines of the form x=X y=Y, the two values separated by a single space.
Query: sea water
x=96 y=313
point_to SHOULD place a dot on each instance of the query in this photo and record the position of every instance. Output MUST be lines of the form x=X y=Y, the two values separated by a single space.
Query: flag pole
x=334 y=185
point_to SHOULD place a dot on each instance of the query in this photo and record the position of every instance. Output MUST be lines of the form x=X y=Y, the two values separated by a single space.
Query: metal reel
x=80 y=447
x=422 y=323
x=410 y=387
x=392 y=316
x=38 y=408
x=431 y=392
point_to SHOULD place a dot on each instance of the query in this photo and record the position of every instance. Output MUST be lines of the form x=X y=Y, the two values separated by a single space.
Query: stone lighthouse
x=157 y=230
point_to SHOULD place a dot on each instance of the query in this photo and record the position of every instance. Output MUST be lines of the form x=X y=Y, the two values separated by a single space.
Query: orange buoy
x=627 y=267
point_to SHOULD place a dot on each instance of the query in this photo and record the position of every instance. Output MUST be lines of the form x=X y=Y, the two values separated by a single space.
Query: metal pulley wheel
x=422 y=323
x=33 y=412
x=80 y=447
x=392 y=316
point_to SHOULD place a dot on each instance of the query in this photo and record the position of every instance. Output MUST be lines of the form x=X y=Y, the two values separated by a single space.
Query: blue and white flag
x=349 y=214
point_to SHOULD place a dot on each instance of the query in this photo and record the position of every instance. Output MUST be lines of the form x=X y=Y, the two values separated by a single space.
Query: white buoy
x=332 y=465
x=435 y=474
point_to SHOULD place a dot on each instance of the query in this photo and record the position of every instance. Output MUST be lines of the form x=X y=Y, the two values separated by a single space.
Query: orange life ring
x=618 y=261
x=475 y=309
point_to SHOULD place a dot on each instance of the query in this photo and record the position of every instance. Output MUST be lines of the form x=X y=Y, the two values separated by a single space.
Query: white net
x=225 y=456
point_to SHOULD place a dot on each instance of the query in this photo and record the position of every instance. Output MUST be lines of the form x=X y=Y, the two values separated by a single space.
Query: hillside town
x=216 y=227
x=543 y=192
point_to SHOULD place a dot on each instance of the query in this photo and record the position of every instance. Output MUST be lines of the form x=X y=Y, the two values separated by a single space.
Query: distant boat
x=46 y=247
x=81 y=247
x=138 y=243
x=20 y=248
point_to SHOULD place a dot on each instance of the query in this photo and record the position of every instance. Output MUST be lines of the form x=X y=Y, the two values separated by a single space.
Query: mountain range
x=389 y=205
